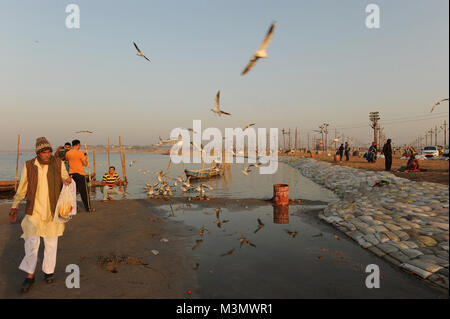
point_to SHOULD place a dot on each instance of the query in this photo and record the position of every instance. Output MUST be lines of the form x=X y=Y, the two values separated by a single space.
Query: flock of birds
x=242 y=239
x=163 y=187
x=260 y=53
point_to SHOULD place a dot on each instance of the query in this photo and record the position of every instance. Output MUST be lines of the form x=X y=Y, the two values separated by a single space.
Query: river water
x=233 y=184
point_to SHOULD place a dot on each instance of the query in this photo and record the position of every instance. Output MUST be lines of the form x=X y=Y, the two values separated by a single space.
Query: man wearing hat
x=41 y=181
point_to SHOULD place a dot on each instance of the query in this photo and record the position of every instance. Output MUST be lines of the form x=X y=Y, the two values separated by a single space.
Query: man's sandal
x=26 y=286
x=49 y=278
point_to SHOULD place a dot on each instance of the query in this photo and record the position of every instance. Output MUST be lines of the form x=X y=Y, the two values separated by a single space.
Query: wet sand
x=113 y=249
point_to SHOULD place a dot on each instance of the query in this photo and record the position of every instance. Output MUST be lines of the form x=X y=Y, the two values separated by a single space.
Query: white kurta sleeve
x=22 y=189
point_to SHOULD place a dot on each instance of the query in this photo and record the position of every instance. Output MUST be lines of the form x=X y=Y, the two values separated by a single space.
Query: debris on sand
x=110 y=263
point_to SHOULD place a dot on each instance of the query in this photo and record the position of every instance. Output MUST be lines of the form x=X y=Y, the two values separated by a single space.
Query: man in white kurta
x=40 y=222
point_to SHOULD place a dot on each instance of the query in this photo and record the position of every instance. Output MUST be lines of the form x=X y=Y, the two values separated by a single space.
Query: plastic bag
x=66 y=207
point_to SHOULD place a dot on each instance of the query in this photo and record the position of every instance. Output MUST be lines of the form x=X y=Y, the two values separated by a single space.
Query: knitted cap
x=42 y=144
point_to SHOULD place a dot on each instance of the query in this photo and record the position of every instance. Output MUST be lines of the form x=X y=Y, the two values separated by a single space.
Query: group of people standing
x=41 y=181
x=344 y=150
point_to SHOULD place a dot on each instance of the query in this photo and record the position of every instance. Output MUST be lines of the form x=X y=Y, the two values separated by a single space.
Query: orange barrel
x=281 y=194
x=312 y=155
x=336 y=158
x=281 y=214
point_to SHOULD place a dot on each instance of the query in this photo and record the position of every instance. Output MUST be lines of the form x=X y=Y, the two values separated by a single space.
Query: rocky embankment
x=403 y=221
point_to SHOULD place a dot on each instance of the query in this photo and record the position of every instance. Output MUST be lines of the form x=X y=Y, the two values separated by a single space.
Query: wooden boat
x=202 y=173
x=7 y=186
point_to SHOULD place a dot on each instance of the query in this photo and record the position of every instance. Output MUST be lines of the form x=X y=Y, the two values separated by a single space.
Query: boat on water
x=202 y=173
x=8 y=186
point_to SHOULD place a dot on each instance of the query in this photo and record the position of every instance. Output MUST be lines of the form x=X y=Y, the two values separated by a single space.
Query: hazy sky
x=324 y=65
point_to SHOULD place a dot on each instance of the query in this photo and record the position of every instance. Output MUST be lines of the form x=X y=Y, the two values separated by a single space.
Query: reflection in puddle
x=281 y=214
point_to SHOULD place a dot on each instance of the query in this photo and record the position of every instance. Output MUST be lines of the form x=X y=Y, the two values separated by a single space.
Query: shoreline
x=405 y=223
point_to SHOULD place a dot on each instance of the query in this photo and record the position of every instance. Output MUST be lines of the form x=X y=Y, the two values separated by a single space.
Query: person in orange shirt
x=77 y=161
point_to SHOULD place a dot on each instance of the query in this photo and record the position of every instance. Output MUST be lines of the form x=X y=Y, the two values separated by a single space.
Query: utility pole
x=374 y=118
x=426 y=138
x=325 y=130
x=435 y=135
x=308 y=140
x=431 y=136
x=289 y=139
x=296 y=146
x=284 y=139
x=444 y=129
x=335 y=137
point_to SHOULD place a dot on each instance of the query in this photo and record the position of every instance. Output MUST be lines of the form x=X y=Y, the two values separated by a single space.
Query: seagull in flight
x=261 y=52
x=132 y=162
x=139 y=53
x=216 y=109
x=84 y=131
x=246 y=127
x=438 y=103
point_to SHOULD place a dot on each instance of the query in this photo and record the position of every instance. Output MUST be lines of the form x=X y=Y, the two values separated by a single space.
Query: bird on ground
x=228 y=253
x=183 y=189
x=438 y=103
x=84 y=131
x=246 y=127
x=261 y=52
x=207 y=186
x=291 y=233
x=139 y=53
x=199 y=242
x=187 y=183
x=216 y=109
x=260 y=225
x=160 y=176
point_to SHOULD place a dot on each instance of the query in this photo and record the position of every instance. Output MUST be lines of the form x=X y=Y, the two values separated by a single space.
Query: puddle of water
x=233 y=184
x=313 y=264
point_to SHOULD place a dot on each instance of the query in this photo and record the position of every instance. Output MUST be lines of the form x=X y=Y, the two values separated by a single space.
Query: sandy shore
x=125 y=229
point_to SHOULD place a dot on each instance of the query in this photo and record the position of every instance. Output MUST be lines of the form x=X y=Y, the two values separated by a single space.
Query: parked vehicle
x=445 y=153
x=430 y=151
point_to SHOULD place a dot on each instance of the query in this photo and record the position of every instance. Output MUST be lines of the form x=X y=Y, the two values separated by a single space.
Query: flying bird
x=261 y=52
x=84 y=131
x=291 y=233
x=218 y=212
x=243 y=129
x=132 y=162
x=438 y=103
x=216 y=109
x=228 y=253
x=260 y=225
x=199 y=242
x=247 y=169
x=245 y=240
x=139 y=53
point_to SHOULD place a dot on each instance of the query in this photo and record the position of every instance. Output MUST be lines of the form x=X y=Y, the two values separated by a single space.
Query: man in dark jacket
x=387 y=151
x=341 y=152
